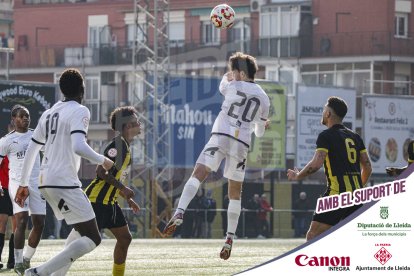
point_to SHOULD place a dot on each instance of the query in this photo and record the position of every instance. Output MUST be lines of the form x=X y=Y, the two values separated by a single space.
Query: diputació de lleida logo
x=384 y=212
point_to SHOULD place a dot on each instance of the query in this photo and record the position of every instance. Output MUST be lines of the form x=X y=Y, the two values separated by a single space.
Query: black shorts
x=335 y=216
x=109 y=216
x=6 y=206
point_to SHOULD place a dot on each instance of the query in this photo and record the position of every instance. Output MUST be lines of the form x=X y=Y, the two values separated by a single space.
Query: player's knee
x=95 y=238
x=21 y=222
x=201 y=172
x=310 y=235
x=38 y=223
x=125 y=240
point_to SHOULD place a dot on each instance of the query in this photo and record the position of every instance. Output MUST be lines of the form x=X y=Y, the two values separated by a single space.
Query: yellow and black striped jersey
x=411 y=152
x=100 y=191
x=342 y=162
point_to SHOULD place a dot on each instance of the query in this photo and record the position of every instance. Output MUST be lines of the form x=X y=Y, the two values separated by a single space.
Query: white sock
x=69 y=254
x=18 y=256
x=28 y=252
x=73 y=235
x=189 y=192
x=233 y=214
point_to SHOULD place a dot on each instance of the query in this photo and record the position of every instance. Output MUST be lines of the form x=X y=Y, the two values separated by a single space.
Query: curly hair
x=71 y=83
x=243 y=63
x=121 y=116
x=15 y=109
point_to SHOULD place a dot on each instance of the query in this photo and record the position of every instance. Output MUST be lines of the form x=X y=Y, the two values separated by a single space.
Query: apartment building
x=363 y=45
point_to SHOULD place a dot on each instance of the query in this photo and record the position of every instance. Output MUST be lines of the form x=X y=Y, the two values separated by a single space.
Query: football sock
x=28 y=252
x=11 y=250
x=190 y=190
x=118 y=269
x=69 y=254
x=73 y=235
x=18 y=255
x=1 y=243
x=233 y=214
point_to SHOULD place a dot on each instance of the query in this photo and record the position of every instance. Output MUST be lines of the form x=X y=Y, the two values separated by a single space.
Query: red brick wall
x=65 y=25
x=353 y=15
x=354 y=26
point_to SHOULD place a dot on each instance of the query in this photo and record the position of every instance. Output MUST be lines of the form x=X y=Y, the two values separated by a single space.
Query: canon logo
x=303 y=260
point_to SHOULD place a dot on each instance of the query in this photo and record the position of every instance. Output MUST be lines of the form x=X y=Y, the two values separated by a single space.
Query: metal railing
x=317 y=45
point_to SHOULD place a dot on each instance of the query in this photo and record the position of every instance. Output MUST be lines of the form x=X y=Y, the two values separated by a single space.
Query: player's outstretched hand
x=292 y=174
x=127 y=192
x=133 y=205
x=229 y=76
x=107 y=164
x=21 y=195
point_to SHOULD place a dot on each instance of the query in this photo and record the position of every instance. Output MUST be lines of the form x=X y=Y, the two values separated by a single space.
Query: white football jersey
x=60 y=164
x=14 y=146
x=245 y=104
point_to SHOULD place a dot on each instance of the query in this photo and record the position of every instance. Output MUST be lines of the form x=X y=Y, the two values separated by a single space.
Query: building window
x=176 y=34
x=240 y=31
x=402 y=85
x=131 y=36
x=280 y=21
x=210 y=35
x=401 y=25
x=92 y=97
x=267 y=23
x=99 y=32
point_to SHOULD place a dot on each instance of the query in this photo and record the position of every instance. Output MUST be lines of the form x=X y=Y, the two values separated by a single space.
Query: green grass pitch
x=169 y=256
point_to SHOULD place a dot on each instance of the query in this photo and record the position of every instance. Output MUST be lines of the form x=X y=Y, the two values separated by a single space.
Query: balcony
x=361 y=44
x=39 y=2
x=321 y=45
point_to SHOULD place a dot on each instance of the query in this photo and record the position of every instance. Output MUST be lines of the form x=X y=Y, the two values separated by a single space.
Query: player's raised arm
x=225 y=82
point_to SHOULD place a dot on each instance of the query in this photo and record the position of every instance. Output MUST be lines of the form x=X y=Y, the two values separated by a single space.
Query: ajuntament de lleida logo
x=384 y=212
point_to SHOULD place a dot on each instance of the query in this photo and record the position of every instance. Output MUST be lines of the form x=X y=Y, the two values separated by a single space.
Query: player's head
x=72 y=85
x=125 y=120
x=335 y=110
x=243 y=66
x=20 y=117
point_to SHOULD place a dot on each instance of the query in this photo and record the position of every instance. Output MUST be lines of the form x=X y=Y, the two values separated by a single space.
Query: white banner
x=376 y=241
x=388 y=126
x=309 y=106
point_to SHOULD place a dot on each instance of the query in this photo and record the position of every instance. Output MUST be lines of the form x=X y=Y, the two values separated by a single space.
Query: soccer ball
x=222 y=16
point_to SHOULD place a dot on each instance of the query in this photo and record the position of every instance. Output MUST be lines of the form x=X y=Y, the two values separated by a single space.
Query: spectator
x=265 y=207
x=253 y=207
x=301 y=215
x=6 y=211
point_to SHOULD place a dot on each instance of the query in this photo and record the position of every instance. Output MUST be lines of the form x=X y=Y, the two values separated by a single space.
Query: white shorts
x=35 y=204
x=71 y=204
x=221 y=147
